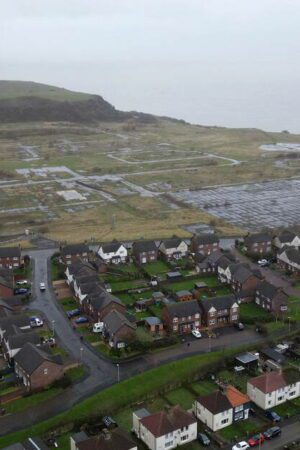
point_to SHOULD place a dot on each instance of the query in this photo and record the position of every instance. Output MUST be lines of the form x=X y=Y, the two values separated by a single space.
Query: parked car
x=98 y=327
x=51 y=341
x=20 y=291
x=42 y=286
x=272 y=432
x=73 y=313
x=109 y=422
x=203 y=439
x=81 y=320
x=239 y=326
x=196 y=334
x=243 y=445
x=36 y=322
x=21 y=283
x=256 y=440
x=272 y=415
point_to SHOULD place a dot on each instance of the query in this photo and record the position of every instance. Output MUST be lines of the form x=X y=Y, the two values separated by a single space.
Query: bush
x=63 y=383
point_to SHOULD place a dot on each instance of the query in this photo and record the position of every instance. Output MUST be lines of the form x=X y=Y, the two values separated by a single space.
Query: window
x=175 y=319
x=212 y=322
x=184 y=438
x=168 y=444
x=292 y=393
x=280 y=398
x=45 y=371
x=224 y=421
x=197 y=316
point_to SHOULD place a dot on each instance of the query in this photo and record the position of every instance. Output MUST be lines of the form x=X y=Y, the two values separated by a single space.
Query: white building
x=174 y=248
x=114 y=253
x=274 y=388
x=287 y=238
x=165 y=429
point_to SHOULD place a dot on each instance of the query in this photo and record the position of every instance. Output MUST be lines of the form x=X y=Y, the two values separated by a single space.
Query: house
x=289 y=259
x=74 y=252
x=14 y=340
x=102 y=303
x=115 y=439
x=166 y=429
x=7 y=282
x=287 y=239
x=11 y=258
x=154 y=325
x=273 y=388
x=12 y=304
x=113 y=253
x=144 y=251
x=208 y=264
x=29 y=444
x=271 y=298
x=183 y=296
x=205 y=243
x=244 y=282
x=258 y=243
x=78 y=269
x=173 y=248
x=219 y=311
x=21 y=321
x=223 y=269
x=118 y=329
x=222 y=408
x=183 y=317
x=36 y=367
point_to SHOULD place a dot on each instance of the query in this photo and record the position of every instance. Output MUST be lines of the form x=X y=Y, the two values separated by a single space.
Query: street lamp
x=209 y=343
x=289 y=318
x=118 y=367
x=53 y=329
x=81 y=354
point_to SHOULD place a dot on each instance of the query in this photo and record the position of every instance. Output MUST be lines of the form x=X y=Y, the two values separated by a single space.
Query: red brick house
x=144 y=251
x=10 y=257
x=73 y=253
x=271 y=298
x=118 y=329
x=260 y=243
x=289 y=259
x=244 y=281
x=218 y=312
x=205 y=243
x=7 y=282
x=183 y=317
x=36 y=367
x=99 y=305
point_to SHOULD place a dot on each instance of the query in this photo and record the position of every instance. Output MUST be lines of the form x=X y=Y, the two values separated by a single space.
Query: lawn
x=75 y=373
x=294 y=308
x=181 y=397
x=250 y=312
x=127 y=285
x=156 y=267
x=69 y=303
x=288 y=409
x=189 y=284
x=32 y=400
x=275 y=326
x=155 y=310
x=204 y=387
x=238 y=380
x=242 y=430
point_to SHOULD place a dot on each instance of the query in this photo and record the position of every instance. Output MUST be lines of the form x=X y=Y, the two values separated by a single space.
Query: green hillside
x=15 y=89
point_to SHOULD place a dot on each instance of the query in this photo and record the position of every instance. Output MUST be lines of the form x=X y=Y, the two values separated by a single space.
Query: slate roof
x=293 y=255
x=224 y=262
x=273 y=354
x=215 y=256
x=172 y=242
x=209 y=238
x=246 y=358
x=31 y=357
x=164 y=422
x=216 y=402
x=286 y=236
x=7 y=277
x=222 y=302
x=268 y=382
x=183 y=309
x=10 y=252
x=74 y=249
x=102 y=299
x=144 y=246
x=110 y=248
x=115 y=439
x=152 y=321
x=20 y=339
x=242 y=273
x=267 y=289
x=20 y=320
x=80 y=267
x=114 y=320
x=257 y=238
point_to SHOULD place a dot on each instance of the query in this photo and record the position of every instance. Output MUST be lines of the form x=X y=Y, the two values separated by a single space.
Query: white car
x=98 y=327
x=21 y=282
x=261 y=262
x=243 y=445
x=196 y=334
x=42 y=287
x=36 y=322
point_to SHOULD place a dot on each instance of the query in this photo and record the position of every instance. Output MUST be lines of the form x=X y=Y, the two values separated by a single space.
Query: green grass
x=252 y=312
x=294 y=308
x=131 y=284
x=75 y=373
x=204 y=387
x=238 y=380
x=155 y=310
x=241 y=430
x=288 y=409
x=156 y=267
x=275 y=326
x=26 y=402
x=189 y=284
x=182 y=397
x=64 y=441
x=69 y=303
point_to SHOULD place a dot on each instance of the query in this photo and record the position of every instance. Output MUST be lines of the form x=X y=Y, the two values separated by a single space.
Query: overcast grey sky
x=214 y=62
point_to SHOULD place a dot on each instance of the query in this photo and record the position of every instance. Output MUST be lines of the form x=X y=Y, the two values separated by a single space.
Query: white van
x=98 y=327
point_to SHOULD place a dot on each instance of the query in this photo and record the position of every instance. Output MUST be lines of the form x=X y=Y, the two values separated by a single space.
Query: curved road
x=101 y=372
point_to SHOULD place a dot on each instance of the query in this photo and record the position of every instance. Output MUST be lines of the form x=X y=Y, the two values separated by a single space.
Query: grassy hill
x=16 y=89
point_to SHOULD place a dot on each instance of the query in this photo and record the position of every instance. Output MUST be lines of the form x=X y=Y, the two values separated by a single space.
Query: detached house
x=166 y=429
x=258 y=243
x=72 y=253
x=287 y=238
x=114 y=253
x=174 y=248
x=182 y=318
x=118 y=329
x=10 y=257
x=222 y=408
x=273 y=388
x=271 y=298
x=144 y=251
x=115 y=439
x=37 y=367
x=205 y=243
x=289 y=259
x=99 y=305
x=7 y=282
x=219 y=311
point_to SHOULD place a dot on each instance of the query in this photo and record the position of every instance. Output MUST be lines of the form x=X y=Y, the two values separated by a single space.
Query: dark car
x=272 y=432
x=109 y=422
x=203 y=439
x=73 y=313
x=19 y=291
x=272 y=415
x=81 y=319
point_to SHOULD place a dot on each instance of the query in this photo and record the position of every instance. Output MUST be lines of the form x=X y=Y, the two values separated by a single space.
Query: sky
x=232 y=63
